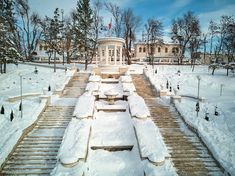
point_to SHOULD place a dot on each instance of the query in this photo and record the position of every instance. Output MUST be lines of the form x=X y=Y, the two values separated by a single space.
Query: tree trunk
x=213 y=70
x=5 y=67
x=54 y=61
x=68 y=57
x=193 y=65
x=86 y=63
x=227 y=71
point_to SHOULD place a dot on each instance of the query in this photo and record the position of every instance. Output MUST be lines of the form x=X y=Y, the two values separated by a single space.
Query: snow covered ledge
x=85 y=106
x=75 y=142
x=150 y=142
x=137 y=106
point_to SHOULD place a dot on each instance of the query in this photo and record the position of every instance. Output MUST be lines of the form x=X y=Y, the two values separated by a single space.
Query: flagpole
x=110 y=26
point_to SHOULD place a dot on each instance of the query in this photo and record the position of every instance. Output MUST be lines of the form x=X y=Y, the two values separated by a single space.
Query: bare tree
x=130 y=25
x=31 y=31
x=212 y=30
x=183 y=29
x=194 y=44
x=117 y=15
x=97 y=6
x=223 y=31
x=229 y=41
x=154 y=30
x=69 y=44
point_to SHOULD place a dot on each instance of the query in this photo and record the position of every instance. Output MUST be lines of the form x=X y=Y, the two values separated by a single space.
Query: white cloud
x=205 y=18
x=181 y=3
x=125 y=3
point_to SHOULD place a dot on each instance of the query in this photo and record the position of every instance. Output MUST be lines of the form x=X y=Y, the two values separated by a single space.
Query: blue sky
x=165 y=10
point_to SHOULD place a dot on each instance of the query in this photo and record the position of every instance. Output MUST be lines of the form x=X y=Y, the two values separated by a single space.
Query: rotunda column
x=106 y=54
x=115 y=55
x=101 y=53
x=120 y=55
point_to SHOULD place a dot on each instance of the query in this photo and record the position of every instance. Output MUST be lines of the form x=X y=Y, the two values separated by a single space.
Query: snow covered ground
x=219 y=132
x=32 y=106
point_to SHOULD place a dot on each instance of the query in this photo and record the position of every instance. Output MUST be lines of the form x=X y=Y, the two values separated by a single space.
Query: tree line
x=77 y=32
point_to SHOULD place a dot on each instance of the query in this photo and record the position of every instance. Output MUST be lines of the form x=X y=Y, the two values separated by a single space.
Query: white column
x=106 y=54
x=115 y=55
x=101 y=54
x=120 y=57
x=96 y=58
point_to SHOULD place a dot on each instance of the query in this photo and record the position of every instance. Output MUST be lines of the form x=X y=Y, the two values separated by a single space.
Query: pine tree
x=20 y=107
x=11 y=115
x=8 y=51
x=2 y=110
x=83 y=19
x=55 y=31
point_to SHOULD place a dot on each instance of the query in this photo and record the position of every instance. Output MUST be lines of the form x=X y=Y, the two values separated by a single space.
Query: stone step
x=43 y=137
x=30 y=162
x=184 y=155
x=30 y=155
x=193 y=159
x=215 y=173
x=27 y=172
x=39 y=142
x=48 y=127
x=26 y=147
x=179 y=148
x=33 y=157
x=56 y=118
x=30 y=166
x=39 y=145
x=18 y=150
x=53 y=125
x=48 y=122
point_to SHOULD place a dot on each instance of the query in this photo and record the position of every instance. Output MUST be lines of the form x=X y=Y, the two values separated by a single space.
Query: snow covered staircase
x=189 y=155
x=36 y=153
x=76 y=85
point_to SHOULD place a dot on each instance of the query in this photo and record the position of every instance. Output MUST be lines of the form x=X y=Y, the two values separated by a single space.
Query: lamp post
x=198 y=87
x=62 y=15
x=221 y=89
x=198 y=91
x=21 y=112
x=204 y=45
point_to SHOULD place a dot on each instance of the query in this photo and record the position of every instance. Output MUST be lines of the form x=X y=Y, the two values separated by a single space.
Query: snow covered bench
x=26 y=95
x=137 y=106
x=85 y=106
x=74 y=146
x=150 y=141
